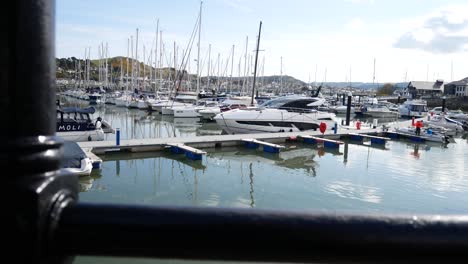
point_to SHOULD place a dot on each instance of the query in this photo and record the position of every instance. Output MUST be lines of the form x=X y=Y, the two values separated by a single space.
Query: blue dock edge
x=416 y=139
x=193 y=156
x=251 y=145
x=97 y=164
x=310 y=140
x=177 y=150
x=392 y=135
x=271 y=149
x=188 y=154
x=356 y=137
x=326 y=143
x=377 y=141
x=329 y=144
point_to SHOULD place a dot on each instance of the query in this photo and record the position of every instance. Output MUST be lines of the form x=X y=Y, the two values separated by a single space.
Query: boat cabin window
x=298 y=104
x=418 y=108
x=276 y=103
x=82 y=117
x=68 y=117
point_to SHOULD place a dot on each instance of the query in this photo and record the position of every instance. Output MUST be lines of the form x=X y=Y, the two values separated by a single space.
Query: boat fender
x=323 y=127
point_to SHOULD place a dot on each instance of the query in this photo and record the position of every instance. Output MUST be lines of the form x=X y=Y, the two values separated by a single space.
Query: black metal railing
x=46 y=223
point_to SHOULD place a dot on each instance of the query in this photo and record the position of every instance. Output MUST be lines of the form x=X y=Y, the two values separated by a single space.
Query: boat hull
x=271 y=121
x=78 y=136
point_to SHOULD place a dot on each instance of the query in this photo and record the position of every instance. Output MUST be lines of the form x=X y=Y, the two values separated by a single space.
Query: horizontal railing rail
x=259 y=235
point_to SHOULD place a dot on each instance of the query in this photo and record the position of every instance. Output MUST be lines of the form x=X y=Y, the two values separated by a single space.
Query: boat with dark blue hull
x=76 y=124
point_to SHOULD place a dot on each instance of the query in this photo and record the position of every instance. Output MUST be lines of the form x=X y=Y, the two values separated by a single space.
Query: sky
x=314 y=41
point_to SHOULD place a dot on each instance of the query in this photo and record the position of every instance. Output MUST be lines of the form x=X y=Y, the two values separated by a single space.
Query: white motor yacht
x=378 y=110
x=413 y=108
x=208 y=108
x=284 y=114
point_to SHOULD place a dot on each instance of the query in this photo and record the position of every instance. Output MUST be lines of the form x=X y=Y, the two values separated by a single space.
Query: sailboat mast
x=255 y=66
x=198 y=51
x=136 y=59
x=128 y=51
x=133 y=63
x=315 y=77
x=161 y=46
x=209 y=67
x=106 y=83
x=156 y=57
x=232 y=69
x=281 y=75
x=121 y=71
x=245 y=63
x=373 y=77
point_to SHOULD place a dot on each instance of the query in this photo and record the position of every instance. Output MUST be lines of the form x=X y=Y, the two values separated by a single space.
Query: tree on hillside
x=386 y=89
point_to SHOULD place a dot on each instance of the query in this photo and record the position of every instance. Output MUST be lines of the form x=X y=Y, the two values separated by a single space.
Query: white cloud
x=442 y=31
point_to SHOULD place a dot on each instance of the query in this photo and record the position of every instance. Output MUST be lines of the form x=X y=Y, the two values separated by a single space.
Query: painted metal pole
x=443 y=104
x=348 y=109
x=117 y=136
x=35 y=189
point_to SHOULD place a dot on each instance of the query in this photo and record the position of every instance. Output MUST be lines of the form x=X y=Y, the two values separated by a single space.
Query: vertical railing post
x=35 y=188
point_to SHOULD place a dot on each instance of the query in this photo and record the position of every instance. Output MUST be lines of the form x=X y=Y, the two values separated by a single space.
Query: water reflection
x=118 y=157
x=415 y=152
x=86 y=182
x=292 y=157
x=349 y=190
x=251 y=184
x=135 y=123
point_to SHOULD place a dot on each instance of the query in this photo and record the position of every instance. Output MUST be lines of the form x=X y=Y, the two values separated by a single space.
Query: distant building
x=457 y=88
x=417 y=89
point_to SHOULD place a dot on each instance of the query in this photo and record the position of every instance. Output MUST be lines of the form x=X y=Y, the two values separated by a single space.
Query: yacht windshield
x=276 y=103
x=418 y=108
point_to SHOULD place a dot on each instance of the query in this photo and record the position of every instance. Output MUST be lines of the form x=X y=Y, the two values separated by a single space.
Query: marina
x=354 y=166
x=145 y=158
x=159 y=132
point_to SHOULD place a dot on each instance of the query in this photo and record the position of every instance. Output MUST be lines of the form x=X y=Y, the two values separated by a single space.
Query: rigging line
x=202 y=62
x=185 y=57
x=227 y=65
x=187 y=54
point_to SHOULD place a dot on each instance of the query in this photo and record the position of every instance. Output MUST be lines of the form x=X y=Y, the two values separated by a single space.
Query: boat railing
x=299 y=110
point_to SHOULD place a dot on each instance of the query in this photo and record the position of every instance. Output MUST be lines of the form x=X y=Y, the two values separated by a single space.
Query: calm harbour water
x=402 y=177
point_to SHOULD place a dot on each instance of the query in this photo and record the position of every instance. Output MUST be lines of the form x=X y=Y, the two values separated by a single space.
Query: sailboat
x=192 y=110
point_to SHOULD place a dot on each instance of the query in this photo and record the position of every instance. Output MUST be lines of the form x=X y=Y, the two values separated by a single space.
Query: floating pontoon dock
x=190 y=144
